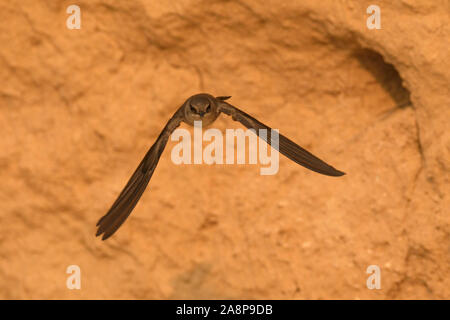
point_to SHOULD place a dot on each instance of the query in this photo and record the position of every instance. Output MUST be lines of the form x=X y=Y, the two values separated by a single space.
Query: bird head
x=201 y=107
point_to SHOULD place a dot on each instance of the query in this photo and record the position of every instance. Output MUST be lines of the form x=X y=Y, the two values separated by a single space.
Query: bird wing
x=130 y=195
x=285 y=146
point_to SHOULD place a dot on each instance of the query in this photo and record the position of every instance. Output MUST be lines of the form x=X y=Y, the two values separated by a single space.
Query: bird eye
x=208 y=109
x=193 y=109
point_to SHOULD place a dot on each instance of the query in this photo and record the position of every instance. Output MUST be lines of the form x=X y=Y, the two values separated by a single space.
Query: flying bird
x=206 y=108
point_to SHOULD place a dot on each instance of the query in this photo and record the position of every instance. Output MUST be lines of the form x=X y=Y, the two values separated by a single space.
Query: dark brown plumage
x=206 y=108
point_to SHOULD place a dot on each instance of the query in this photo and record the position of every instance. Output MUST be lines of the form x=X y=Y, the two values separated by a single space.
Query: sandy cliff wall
x=79 y=109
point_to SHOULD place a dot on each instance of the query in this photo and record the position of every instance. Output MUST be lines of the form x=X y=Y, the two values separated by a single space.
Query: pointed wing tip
x=337 y=173
x=105 y=234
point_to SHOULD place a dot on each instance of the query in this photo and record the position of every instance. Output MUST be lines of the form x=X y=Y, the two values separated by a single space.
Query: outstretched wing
x=132 y=192
x=286 y=146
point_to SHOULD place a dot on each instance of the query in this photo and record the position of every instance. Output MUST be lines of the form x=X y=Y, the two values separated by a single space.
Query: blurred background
x=80 y=108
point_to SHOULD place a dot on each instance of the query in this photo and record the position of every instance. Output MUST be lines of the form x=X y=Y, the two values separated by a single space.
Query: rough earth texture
x=79 y=109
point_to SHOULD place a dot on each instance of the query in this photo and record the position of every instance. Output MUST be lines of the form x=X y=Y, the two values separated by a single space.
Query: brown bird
x=206 y=108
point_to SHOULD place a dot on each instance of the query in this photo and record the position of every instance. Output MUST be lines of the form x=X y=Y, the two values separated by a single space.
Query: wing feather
x=287 y=147
x=132 y=192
